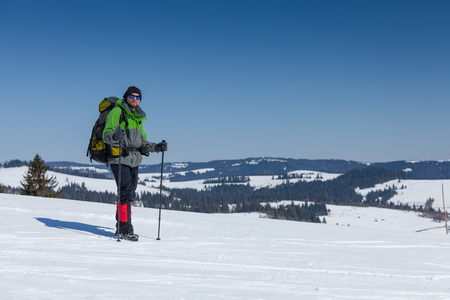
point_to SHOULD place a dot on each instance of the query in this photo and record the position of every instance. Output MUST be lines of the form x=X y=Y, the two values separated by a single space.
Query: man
x=129 y=140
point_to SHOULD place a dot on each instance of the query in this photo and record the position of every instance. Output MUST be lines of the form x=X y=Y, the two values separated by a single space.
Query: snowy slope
x=64 y=249
x=13 y=176
x=255 y=181
x=415 y=191
x=408 y=191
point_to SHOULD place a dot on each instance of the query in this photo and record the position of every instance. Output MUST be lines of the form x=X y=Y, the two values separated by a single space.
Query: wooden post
x=445 y=214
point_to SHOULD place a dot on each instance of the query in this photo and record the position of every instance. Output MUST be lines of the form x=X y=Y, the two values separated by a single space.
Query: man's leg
x=127 y=193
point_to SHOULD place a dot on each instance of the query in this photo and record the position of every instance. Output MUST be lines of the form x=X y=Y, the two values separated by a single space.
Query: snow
x=151 y=183
x=370 y=217
x=380 y=219
x=13 y=176
x=261 y=181
x=95 y=169
x=257 y=161
x=198 y=171
x=64 y=249
x=314 y=175
x=415 y=191
x=180 y=165
x=408 y=191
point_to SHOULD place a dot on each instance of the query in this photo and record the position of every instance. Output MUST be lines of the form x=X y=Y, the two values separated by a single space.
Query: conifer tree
x=36 y=183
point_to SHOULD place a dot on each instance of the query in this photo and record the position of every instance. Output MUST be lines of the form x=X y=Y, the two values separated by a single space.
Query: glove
x=161 y=147
x=147 y=147
x=119 y=135
x=125 y=152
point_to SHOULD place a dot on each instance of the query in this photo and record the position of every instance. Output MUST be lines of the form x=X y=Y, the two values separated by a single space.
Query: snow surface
x=408 y=191
x=198 y=171
x=64 y=249
x=261 y=181
x=150 y=182
x=13 y=176
x=415 y=191
x=95 y=169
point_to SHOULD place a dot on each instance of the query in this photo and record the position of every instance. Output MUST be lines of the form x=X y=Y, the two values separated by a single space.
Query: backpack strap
x=123 y=117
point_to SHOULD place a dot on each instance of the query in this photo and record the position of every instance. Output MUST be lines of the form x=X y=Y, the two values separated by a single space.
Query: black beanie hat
x=131 y=90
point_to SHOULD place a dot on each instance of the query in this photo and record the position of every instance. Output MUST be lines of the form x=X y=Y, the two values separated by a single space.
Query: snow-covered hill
x=415 y=192
x=13 y=176
x=255 y=181
x=408 y=191
x=64 y=249
x=150 y=181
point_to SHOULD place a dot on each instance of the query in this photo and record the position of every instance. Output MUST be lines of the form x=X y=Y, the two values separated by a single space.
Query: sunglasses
x=132 y=97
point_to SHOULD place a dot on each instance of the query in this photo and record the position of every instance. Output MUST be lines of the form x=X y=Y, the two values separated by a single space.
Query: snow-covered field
x=255 y=181
x=408 y=191
x=415 y=191
x=64 y=249
x=13 y=176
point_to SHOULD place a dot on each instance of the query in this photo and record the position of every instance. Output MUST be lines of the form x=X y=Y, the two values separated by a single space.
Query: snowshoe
x=131 y=237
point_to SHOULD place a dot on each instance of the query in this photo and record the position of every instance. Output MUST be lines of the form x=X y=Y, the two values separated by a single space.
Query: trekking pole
x=160 y=195
x=445 y=213
x=119 y=182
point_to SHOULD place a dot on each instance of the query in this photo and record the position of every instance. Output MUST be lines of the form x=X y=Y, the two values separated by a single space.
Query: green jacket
x=135 y=135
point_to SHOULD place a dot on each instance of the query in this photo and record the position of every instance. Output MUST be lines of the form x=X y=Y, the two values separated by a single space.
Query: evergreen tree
x=36 y=183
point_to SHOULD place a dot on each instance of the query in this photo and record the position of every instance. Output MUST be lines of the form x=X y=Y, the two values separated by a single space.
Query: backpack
x=97 y=149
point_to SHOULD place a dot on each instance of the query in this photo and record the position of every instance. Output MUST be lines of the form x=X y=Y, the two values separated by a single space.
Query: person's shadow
x=99 y=230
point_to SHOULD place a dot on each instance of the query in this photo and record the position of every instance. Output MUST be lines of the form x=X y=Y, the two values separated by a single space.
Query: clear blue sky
x=358 y=80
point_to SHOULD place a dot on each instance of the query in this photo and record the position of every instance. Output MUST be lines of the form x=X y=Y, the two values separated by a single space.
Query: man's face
x=132 y=101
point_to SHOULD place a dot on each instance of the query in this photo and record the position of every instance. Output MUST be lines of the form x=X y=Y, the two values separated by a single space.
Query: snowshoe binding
x=129 y=236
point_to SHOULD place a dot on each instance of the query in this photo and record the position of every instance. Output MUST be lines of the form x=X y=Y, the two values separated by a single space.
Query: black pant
x=128 y=184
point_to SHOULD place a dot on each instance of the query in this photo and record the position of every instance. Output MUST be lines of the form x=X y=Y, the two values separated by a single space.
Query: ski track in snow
x=65 y=249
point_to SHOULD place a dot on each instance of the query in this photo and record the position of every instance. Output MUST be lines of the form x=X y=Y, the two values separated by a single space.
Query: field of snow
x=415 y=191
x=408 y=191
x=255 y=181
x=371 y=217
x=65 y=249
x=95 y=169
x=13 y=176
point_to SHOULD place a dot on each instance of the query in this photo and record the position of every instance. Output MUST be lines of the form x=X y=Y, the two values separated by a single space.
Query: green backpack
x=97 y=149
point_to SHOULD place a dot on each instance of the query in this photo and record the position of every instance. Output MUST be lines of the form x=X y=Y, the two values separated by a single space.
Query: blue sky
x=357 y=80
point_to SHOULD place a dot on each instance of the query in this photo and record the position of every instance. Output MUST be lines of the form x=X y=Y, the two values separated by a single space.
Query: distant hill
x=243 y=185
x=270 y=166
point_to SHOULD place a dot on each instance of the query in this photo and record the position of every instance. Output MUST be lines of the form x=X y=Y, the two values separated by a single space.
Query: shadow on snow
x=98 y=230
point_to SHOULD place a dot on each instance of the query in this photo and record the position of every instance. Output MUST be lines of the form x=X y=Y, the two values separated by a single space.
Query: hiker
x=131 y=136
